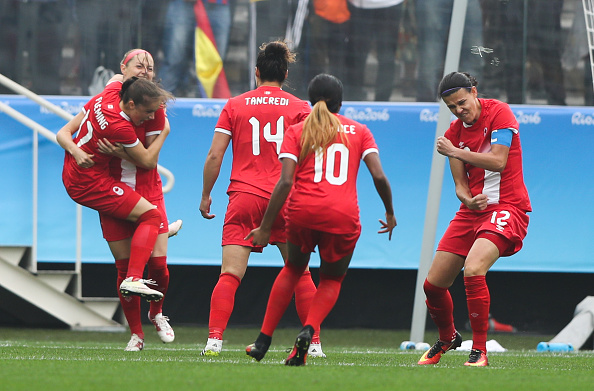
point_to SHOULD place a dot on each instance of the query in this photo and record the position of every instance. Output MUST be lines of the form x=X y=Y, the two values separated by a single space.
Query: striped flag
x=209 y=65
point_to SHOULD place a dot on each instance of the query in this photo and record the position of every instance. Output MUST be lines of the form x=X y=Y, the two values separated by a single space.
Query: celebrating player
x=320 y=161
x=254 y=123
x=147 y=182
x=485 y=155
x=111 y=118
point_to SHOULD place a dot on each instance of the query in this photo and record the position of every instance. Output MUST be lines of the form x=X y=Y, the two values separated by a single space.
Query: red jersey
x=146 y=182
x=324 y=194
x=256 y=122
x=103 y=119
x=505 y=187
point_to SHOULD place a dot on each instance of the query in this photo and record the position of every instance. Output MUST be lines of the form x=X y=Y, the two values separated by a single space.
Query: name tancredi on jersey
x=99 y=114
x=266 y=100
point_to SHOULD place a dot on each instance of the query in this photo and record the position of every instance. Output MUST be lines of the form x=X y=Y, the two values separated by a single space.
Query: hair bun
x=275 y=49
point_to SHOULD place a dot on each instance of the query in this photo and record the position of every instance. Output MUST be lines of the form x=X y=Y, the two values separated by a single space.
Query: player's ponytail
x=321 y=125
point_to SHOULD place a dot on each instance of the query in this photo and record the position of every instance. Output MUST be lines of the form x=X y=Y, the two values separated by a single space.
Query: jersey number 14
x=276 y=138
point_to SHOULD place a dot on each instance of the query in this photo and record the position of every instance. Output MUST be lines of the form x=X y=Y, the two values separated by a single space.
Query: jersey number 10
x=333 y=152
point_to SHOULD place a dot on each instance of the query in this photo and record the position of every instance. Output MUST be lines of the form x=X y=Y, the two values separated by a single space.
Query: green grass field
x=33 y=359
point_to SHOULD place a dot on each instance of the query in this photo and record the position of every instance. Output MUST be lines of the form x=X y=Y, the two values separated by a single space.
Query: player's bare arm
x=64 y=138
x=261 y=235
x=212 y=168
x=147 y=158
x=495 y=160
x=478 y=202
x=382 y=185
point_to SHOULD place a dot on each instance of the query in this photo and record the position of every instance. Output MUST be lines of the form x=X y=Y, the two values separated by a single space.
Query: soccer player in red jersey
x=113 y=116
x=320 y=161
x=147 y=182
x=254 y=123
x=485 y=155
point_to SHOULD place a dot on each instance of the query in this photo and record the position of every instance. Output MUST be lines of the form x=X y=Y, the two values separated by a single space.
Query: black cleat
x=299 y=354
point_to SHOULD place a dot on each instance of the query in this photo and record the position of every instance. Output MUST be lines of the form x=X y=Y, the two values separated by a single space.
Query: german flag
x=209 y=65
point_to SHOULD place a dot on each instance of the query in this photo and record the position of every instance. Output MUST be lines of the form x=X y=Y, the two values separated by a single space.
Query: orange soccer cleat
x=433 y=355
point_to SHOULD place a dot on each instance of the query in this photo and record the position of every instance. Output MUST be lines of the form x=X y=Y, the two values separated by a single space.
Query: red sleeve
x=291 y=144
x=123 y=132
x=224 y=121
x=452 y=135
x=503 y=117
x=305 y=112
x=157 y=124
x=368 y=140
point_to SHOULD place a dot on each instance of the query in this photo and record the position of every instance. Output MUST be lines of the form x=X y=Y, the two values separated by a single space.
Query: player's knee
x=151 y=217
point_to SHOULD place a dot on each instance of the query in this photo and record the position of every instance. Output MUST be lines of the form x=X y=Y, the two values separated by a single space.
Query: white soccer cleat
x=136 y=344
x=315 y=351
x=164 y=330
x=137 y=287
x=175 y=227
x=213 y=347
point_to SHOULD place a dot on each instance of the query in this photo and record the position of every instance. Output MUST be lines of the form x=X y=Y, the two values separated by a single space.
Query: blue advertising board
x=557 y=169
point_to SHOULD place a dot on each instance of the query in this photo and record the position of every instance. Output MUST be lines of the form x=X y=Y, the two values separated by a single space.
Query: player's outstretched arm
x=382 y=185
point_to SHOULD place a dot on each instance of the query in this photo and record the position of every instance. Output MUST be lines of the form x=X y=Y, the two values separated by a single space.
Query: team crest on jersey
x=118 y=190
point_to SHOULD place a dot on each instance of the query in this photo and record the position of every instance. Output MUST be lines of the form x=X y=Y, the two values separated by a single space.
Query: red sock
x=158 y=271
x=324 y=299
x=143 y=241
x=131 y=304
x=478 y=300
x=222 y=301
x=280 y=296
x=304 y=293
x=441 y=308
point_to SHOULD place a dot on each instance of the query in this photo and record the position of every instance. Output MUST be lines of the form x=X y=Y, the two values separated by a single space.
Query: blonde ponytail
x=319 y=130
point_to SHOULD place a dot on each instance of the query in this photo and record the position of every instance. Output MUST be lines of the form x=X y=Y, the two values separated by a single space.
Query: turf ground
x=34 y=359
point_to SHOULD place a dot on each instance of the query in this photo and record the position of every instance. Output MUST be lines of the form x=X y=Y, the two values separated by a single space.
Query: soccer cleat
x=174 y=228
x=298 y=356
x=213 y=347
x=433 y=355
x=477 y=358
x=137 y=287
x=258 y=349
x=315 y=350
x=164 y=330
x=256 y=352
x=136 y=344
